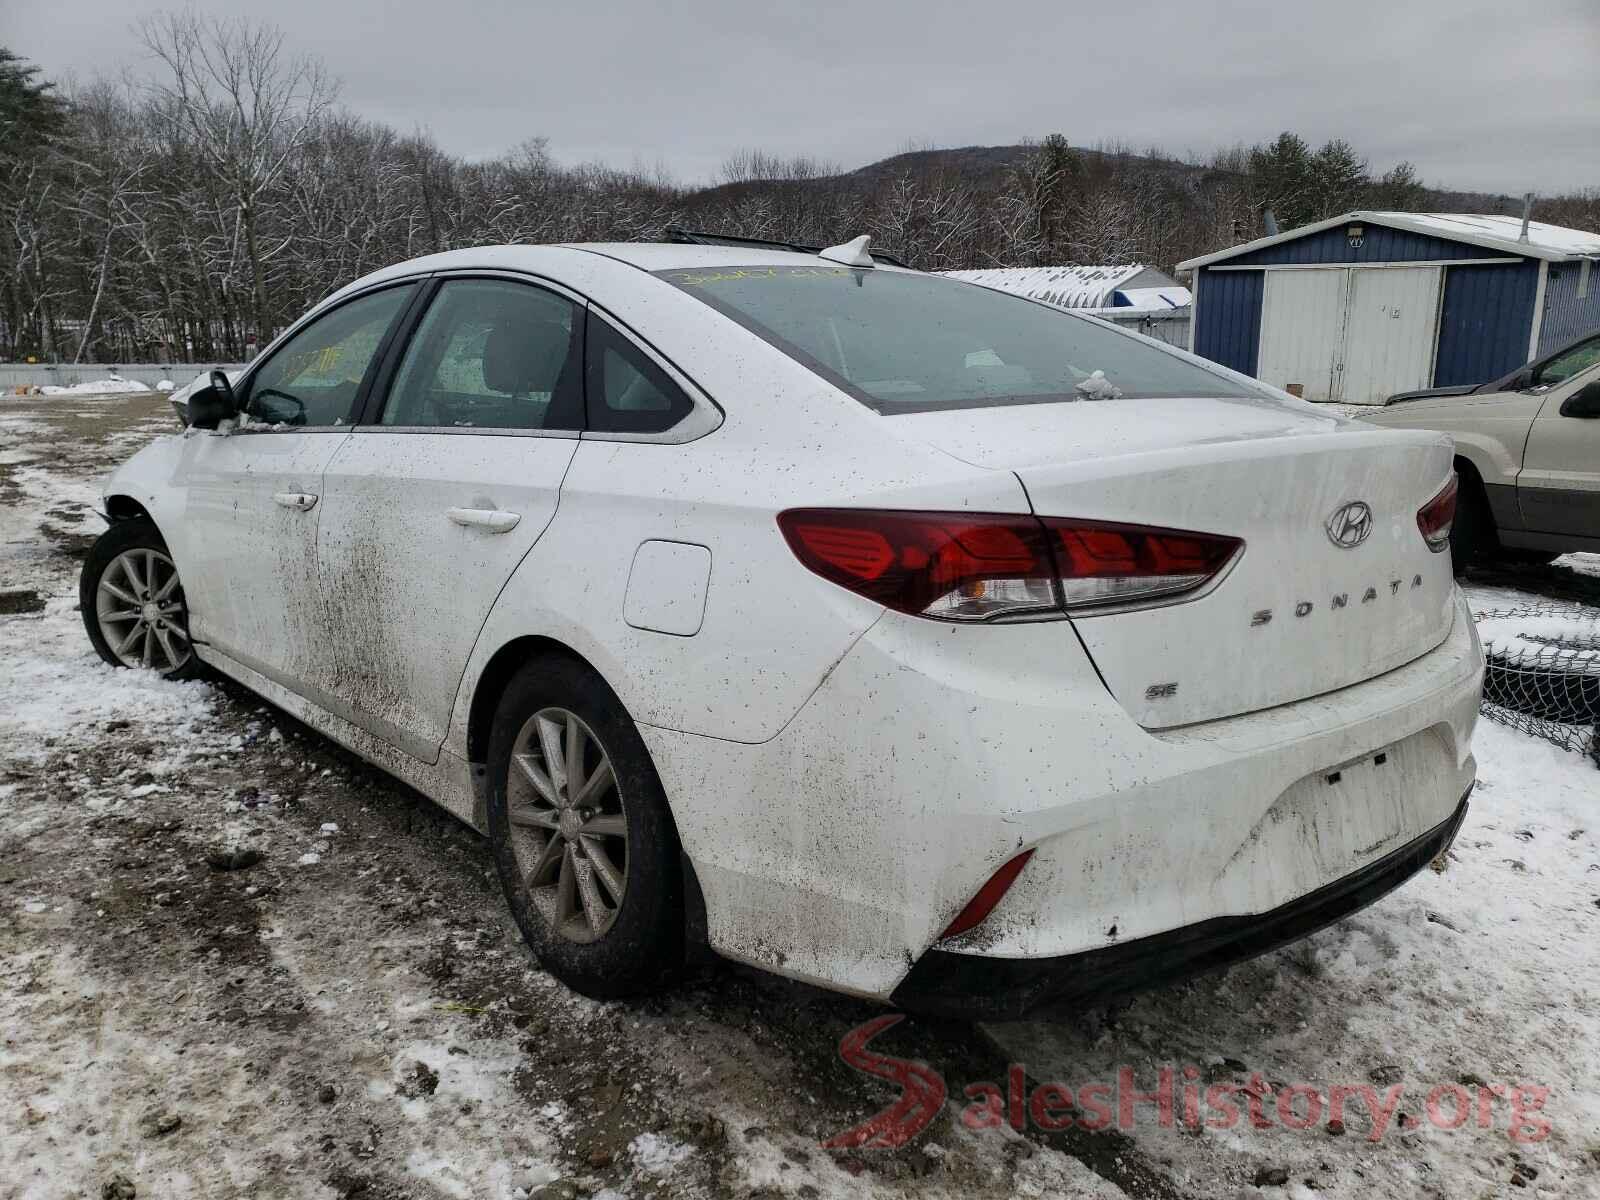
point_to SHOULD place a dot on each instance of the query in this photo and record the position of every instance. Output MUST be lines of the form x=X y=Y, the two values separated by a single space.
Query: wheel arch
x=487 y=690
x=1470 y=476
x=120 y=506
x=497 y=674
x=1490 y=458
x=152 y=485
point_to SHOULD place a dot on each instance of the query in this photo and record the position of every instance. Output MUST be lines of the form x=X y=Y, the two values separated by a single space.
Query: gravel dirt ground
x=236 y=961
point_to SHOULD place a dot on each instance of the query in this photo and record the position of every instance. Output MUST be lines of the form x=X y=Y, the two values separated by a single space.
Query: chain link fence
x=1543 y=672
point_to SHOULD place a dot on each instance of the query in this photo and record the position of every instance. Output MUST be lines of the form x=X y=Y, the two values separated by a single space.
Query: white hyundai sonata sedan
x=874 y=628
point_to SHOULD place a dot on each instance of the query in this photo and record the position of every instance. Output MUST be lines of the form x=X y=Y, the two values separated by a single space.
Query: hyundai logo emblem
x=1349 y=525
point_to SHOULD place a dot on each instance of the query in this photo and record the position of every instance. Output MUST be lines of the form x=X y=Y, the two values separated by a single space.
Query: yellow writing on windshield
x=732 y=274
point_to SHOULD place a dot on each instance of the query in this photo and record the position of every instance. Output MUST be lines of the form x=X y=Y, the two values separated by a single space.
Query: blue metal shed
x=1363 y=305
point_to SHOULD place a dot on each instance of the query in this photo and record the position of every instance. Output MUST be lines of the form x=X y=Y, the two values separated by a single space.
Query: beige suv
x=1528 y=455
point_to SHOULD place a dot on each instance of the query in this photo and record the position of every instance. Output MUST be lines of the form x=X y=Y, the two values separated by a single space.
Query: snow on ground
x=43 y=699
x=236 y=961
x=112 y=385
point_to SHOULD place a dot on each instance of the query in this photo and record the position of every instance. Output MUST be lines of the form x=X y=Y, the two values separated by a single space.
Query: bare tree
x=1104 y=228
x=759 y=166
x=105 y=163
x=247 y=106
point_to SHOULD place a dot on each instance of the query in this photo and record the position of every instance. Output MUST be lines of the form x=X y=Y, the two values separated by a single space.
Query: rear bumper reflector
x=980 y=906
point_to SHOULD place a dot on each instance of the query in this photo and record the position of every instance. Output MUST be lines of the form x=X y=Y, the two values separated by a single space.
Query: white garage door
x=1390 y=332
x=1302 y=328
x=1351 y=334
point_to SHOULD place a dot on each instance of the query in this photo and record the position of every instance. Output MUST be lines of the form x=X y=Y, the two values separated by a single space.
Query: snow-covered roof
x=1155 y=299
x=1492 y=231
x=1065 y=287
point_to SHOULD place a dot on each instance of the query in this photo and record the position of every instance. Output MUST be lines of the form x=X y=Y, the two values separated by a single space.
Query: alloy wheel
x=569 y=828
x=139 y=607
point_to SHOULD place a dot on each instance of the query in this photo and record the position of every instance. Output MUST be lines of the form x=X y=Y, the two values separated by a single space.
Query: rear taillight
x=1436 y=516
x=945 y=565
x=1103 y=563
x=965 y=567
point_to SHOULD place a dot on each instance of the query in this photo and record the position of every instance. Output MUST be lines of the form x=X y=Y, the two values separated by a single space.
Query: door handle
x=299 y=501
x=493 y=519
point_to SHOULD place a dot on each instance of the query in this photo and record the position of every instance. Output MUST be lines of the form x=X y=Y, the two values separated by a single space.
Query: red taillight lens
x=980 y=906
x=951 y=566
x=965 y=567
x=1436 y=516
x=1103 y=563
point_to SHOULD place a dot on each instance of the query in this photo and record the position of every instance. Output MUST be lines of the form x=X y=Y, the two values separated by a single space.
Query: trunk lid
x=1297 y=614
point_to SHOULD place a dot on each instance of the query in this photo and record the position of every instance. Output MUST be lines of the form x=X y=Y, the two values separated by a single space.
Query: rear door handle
x=493 y=519
x=300 y=501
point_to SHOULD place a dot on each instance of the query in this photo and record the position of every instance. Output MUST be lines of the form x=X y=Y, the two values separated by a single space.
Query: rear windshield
x=906 y=342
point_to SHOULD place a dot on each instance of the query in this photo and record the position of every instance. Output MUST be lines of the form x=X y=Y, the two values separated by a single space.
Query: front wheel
x=132 y=602
x=583 y=840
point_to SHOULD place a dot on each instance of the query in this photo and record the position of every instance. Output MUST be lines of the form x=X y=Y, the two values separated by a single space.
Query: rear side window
x=901 y=341
x=491 y=354
x=627 y=392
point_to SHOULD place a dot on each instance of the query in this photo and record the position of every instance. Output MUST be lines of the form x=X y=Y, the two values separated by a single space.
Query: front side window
x=1569 y=363
x=491 y=354
x=905 y=342
x=312 y=379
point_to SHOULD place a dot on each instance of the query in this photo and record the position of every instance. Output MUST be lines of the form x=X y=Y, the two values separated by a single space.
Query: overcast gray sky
x=1499 y=95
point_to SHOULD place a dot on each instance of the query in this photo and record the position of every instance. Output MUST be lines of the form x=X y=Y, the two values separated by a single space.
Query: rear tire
x=587 y=856
x=131 y=601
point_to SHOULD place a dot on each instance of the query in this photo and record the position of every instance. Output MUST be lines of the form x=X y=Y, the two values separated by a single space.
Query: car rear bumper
x=984 y=988
x=839 y=851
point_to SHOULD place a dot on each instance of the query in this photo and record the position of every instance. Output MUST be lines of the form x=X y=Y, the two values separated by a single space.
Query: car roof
x=547 y=259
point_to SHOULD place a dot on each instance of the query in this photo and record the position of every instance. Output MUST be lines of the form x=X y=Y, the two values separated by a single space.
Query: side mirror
x=211 y=405
x=1585 y=402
